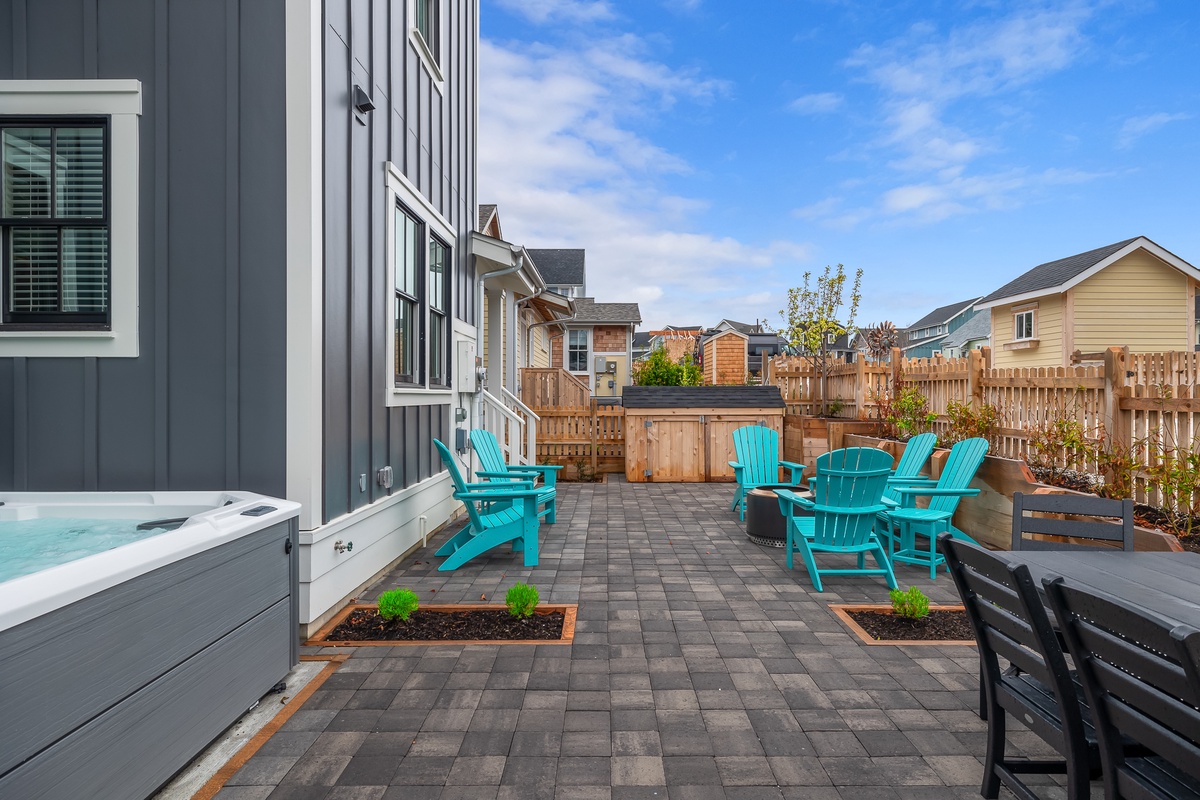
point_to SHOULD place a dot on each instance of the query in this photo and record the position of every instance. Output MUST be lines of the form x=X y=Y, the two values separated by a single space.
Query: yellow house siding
x=1138 y=302
x=540 y=348
x=1049 y=329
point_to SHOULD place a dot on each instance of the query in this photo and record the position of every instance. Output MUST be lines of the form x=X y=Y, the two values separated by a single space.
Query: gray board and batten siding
x=160 y=664
x=201 y=407
x=430 y=136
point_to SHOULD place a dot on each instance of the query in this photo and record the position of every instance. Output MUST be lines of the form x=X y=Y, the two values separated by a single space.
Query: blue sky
x=706 y=153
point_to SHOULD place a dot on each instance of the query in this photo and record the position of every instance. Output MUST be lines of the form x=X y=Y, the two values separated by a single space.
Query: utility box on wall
x=466 y=376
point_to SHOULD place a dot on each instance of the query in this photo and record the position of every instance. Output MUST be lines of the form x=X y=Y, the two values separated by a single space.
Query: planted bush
x=912 y=604
x=398 y=604
x=968 y=421
x=521 y=600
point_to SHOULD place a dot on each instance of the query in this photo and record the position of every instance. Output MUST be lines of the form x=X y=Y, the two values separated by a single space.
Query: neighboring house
x=267 y=218
x=563 y=270
x=924 y=337
x=641 y=345
x=840 y=348
x=515 y=298
x=1132 y=293
x=598 y=345
x=740 y=327
x=971 y=335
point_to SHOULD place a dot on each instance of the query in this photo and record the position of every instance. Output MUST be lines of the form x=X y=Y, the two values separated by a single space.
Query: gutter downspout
x=518 y=251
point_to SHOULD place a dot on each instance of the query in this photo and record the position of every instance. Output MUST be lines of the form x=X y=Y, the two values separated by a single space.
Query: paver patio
x=701 y=668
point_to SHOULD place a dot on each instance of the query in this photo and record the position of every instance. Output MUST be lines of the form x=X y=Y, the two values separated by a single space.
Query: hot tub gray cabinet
x=110 y=696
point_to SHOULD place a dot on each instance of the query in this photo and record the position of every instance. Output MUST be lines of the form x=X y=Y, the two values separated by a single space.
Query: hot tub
x=118 y=667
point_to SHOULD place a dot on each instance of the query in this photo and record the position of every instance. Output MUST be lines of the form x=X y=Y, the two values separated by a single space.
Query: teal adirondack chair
x=916 y=453
x=758 y=463
x=843 y=518
x=491 y=458
x=497 y=512
x=944 y=496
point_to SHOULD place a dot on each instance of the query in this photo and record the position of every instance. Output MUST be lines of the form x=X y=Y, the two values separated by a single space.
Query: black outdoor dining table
x=1168 y=583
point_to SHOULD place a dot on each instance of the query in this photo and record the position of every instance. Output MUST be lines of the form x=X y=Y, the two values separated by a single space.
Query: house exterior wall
x=1049 y=330
x=539 y=347
x=427 y=134
x=201 y=406
x=1138 y=302
x=557 y=340
x=610 y=338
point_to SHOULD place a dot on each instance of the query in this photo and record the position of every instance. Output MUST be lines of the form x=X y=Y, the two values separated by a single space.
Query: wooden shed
x=726 y=358
x=685 y=433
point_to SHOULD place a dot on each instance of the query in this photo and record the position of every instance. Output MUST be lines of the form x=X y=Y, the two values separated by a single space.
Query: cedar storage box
x=685 y=433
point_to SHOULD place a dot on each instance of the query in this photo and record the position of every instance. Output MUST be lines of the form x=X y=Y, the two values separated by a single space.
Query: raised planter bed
x=988 y=516
x=325 y=636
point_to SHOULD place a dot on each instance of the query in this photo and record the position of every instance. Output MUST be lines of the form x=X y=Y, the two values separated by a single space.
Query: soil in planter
x=365 y=625
x=937 y=626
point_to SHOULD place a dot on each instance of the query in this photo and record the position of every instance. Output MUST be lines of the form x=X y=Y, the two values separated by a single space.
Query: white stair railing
x=513 y=424
x=529 y=453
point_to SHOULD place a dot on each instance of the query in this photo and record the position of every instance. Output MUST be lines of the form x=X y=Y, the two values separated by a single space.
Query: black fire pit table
x=765 y=523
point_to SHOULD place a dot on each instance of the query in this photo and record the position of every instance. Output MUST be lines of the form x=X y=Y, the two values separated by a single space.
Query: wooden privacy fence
x=851 y=388
x=592 y=434
x=552 y=388
x=1146 y=402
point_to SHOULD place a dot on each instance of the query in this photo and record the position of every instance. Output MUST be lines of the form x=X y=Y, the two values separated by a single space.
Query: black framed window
x=54 y=222
x=421 y=304
x=409 y=268
x=438 y=304
x=428 y=25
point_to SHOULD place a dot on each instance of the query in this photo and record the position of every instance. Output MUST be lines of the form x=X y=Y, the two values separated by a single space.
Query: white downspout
x=518 y=251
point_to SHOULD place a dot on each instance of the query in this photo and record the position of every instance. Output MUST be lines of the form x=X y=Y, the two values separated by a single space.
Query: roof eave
x=1159 y=252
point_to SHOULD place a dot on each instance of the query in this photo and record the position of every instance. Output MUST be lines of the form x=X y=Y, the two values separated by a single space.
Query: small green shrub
x=521 y=600
x=968 y=422
x=912 y=604
x=398 y=603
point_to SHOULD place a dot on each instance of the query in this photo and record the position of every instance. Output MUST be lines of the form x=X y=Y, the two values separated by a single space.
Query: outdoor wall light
x=362 y=100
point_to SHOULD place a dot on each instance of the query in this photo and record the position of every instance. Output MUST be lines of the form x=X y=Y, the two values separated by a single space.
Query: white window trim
x=399 y=189
x=424 y=54
x=1033 y=323
x=587 y=360
x=121 y=101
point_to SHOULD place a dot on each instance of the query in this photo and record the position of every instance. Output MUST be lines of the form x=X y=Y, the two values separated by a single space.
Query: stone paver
x=701 y=668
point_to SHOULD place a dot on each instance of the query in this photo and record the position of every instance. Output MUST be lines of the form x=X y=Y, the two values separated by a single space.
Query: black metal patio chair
x=1082 y=521
x=1010 y=621
x=1141 y=676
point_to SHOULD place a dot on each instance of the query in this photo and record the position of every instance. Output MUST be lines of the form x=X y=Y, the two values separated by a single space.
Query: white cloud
x=1135 y=128
x=560 y=154
x=819 y=103
x=543 y=11
x=925 y=78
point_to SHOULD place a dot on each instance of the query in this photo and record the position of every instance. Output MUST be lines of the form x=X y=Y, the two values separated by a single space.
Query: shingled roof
x=940 y=316
x=702 y=397
x=560 y=267
x=977 y=327
x=1055 y=273
x=588 y=310
x=486 y=211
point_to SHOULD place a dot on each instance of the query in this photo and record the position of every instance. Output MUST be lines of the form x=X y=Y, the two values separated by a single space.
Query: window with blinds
x=54 y=222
